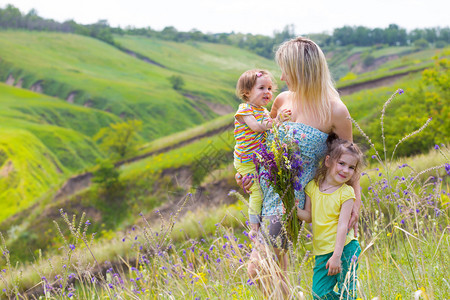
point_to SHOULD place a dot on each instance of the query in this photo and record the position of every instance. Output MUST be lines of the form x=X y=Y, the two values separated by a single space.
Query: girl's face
x=341 y=170
x=261 y=93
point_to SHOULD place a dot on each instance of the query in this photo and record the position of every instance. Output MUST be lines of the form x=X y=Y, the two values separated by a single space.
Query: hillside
x=95 y=84
x=43 y=140
x=79 y=71
x=94 y=74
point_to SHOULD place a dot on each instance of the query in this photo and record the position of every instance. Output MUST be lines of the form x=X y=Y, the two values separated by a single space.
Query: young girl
x=329 y=202
x=255 y=88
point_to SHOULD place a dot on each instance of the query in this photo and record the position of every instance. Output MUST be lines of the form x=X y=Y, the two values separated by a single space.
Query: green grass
x=411 y=62
x=43 y=141
x=186 y=135
x=109 y=79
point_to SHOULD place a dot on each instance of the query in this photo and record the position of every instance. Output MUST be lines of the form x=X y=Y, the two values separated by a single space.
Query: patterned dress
x=313 y=147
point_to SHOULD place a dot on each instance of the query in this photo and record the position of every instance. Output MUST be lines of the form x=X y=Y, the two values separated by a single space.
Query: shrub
x=177 y=82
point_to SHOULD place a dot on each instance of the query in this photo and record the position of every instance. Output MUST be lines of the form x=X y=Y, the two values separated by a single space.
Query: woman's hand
x=245 y=182
x=353 y=222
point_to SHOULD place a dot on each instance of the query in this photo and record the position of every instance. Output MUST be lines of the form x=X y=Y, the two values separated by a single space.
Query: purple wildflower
x=72 y=247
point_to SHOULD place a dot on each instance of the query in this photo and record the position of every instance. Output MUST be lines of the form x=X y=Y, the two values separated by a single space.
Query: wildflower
x=400 y=91
x=231 y=192
x=88 y=223
x=70 y=295
x=436 y=147
x=250 y=282
x=218 y=260
x=72 y=247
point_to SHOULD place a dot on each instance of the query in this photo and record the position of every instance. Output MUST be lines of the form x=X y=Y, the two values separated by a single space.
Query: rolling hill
x=90 y=84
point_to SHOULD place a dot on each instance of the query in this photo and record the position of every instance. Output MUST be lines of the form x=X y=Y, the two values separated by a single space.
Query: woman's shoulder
x=339 y=109
x=340 y=120
x=281 y=98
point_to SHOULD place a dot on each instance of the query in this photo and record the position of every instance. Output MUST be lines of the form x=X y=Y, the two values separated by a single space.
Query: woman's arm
x=342 y=126
x=305 y=214
x=334 y=263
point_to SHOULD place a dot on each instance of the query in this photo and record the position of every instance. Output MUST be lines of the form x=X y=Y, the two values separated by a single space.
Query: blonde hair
x=306 y=68
x=247 y=81
x=337 y=147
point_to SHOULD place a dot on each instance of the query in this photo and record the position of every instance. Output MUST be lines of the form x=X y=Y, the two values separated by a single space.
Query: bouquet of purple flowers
x=279 y=161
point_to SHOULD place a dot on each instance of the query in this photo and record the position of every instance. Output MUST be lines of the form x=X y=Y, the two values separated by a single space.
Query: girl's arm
x=254 y=125
x=334 y=263
x=342 y=126
x=305 y=214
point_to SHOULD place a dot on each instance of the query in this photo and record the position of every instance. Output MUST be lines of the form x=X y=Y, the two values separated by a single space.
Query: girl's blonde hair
x=337 y=147
x=306 y=68
x=247 y=81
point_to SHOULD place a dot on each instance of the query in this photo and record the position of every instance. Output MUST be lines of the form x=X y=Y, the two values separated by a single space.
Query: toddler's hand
x=269 y=124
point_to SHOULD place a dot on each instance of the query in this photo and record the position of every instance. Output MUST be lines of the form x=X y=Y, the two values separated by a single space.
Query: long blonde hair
x=306 y=68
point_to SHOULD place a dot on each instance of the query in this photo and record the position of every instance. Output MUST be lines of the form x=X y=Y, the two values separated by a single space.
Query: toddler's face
x=261 y=93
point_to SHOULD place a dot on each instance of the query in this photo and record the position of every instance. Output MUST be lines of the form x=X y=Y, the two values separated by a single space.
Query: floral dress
x=313 y=147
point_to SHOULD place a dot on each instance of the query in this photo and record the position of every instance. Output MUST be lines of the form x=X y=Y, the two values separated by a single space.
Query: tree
x=119 y=139
x=107 y=176
x=421 y=44
x=177 y=82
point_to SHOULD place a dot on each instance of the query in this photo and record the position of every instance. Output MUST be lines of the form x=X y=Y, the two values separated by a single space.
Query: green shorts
x=323 y=285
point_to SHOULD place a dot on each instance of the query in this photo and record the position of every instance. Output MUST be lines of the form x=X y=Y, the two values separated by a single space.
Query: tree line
x=393 y=35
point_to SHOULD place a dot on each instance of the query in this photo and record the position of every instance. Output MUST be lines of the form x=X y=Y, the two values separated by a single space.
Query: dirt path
x=82 y=181
x=371 y=84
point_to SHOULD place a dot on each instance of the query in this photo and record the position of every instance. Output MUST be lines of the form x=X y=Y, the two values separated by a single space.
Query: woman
x=316 y=111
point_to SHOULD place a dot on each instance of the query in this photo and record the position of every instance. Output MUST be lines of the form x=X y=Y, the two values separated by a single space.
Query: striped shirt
x=247 y=140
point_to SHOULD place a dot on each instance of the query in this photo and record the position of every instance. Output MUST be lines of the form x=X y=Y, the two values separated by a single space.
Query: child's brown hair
x=337 y=147
x=247 y=81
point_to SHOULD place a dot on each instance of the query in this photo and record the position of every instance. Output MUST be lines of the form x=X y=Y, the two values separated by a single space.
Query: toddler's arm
x=256 y=126
x=305 y=214
x=334 y=263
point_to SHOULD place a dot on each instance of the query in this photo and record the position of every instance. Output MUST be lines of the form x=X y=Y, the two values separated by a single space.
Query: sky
x=245 y=16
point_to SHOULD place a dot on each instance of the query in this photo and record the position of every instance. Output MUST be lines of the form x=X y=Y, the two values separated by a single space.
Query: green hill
x=96 y=74
x=43 y=140
x=96 y=84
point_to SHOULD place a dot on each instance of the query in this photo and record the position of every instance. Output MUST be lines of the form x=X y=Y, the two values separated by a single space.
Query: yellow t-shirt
x=325 y=210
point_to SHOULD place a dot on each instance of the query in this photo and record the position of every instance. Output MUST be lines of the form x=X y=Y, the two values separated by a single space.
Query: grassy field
x=46 y=139
x=404 y=237
x=106 y=78
x=43 y=141
x=408 y=61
